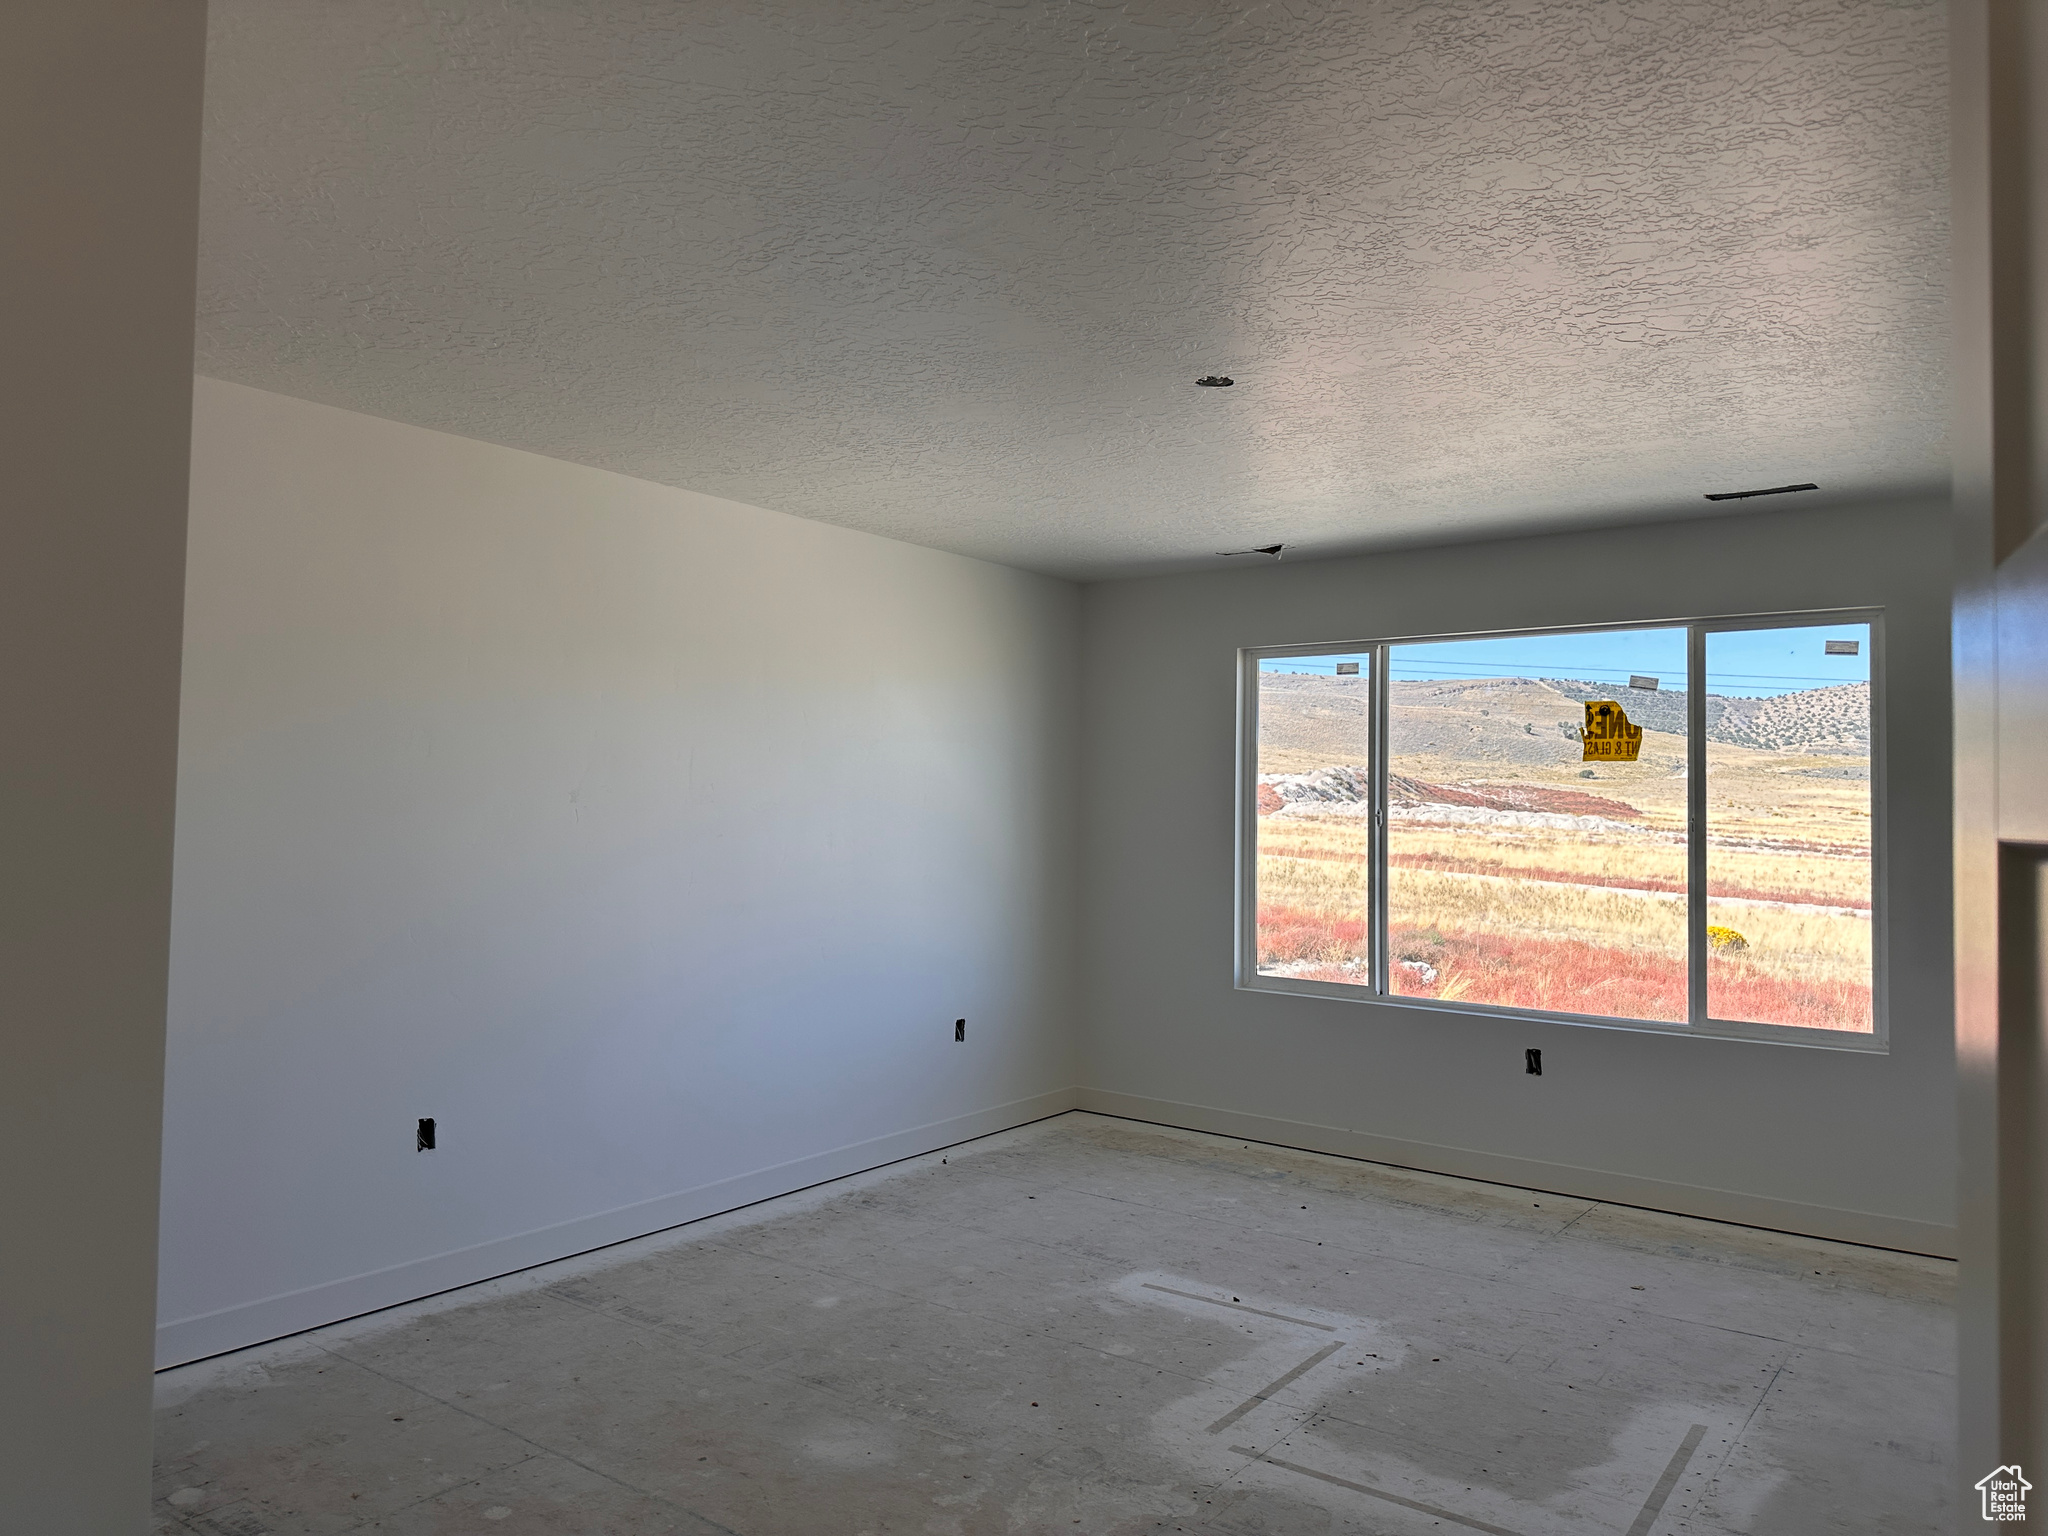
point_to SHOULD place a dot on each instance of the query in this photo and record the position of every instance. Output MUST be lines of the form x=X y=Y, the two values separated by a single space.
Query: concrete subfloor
x=1094 y=1326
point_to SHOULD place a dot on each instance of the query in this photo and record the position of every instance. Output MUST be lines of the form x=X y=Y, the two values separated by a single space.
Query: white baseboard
x=1846 y=1226
x=194 y=1338
x=213 y=1333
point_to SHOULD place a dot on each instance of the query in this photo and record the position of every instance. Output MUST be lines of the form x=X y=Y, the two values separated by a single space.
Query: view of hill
x=1484 y=721
x=1519 y=875
x=1835 y=720
x=1529 y=722
x=1321 y=719
x=1831 y=720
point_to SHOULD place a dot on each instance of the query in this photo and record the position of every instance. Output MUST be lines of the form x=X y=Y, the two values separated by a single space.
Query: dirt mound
x=1344 y=785
x=1402 y=790
x=1347 y=787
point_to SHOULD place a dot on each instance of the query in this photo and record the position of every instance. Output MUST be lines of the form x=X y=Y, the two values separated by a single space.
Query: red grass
x=1288 y=936
x=1734 y=991
x=1402 y=790
x=1798 y=898
x=1558 y=975
x=1459 y=864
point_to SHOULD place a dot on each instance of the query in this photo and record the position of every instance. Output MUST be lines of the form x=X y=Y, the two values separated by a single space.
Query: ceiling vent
x=1774 y=490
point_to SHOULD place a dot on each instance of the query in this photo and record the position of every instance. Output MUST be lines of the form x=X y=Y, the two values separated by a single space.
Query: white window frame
x=1699 y=1024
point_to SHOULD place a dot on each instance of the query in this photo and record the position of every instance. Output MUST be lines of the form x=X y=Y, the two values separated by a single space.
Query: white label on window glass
x=1844 y=647
x=1643 y=682
x=1347 y=669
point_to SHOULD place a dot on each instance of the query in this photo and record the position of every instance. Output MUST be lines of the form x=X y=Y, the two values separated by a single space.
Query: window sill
x=1876 y=1043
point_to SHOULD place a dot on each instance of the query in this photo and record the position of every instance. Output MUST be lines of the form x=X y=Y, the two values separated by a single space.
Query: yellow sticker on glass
x=1608 y=736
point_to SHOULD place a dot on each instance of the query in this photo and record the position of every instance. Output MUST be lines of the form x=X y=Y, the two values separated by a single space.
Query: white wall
x=649 y=842
x=99 y=177
x=1858 y=1146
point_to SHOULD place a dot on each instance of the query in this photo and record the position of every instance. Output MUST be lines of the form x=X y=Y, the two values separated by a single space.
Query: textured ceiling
x=947 y=270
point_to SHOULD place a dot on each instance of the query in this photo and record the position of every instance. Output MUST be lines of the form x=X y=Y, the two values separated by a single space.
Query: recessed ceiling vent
x=1773 y=490
x=1215 y=381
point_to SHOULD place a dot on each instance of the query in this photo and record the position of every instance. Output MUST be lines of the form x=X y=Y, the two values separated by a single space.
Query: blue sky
x=1752 y=663
x=1757 y=662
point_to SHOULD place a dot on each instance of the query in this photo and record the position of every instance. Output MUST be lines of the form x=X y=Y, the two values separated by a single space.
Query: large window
x=1666 y=824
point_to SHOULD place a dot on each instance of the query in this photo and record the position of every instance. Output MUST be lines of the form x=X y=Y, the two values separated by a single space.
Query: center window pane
x=1528 y=866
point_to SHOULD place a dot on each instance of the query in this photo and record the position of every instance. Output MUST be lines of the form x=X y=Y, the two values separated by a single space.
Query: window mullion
x=1382 y=955
x=1696 y=821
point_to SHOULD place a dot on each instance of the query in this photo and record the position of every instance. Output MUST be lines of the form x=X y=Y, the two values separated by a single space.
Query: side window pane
x=1315 y=818
x=1788 y=826
x=1521 y=873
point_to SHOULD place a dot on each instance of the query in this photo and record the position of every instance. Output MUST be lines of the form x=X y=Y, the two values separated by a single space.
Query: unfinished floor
x=1090 y=1325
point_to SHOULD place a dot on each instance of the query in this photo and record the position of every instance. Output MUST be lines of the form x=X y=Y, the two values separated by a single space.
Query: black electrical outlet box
x=1535 y=1059
x=425 y=1140
x=959 y=1029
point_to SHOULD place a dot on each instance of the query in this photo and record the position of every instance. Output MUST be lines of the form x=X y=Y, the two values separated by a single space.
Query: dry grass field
x=1521 y=878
